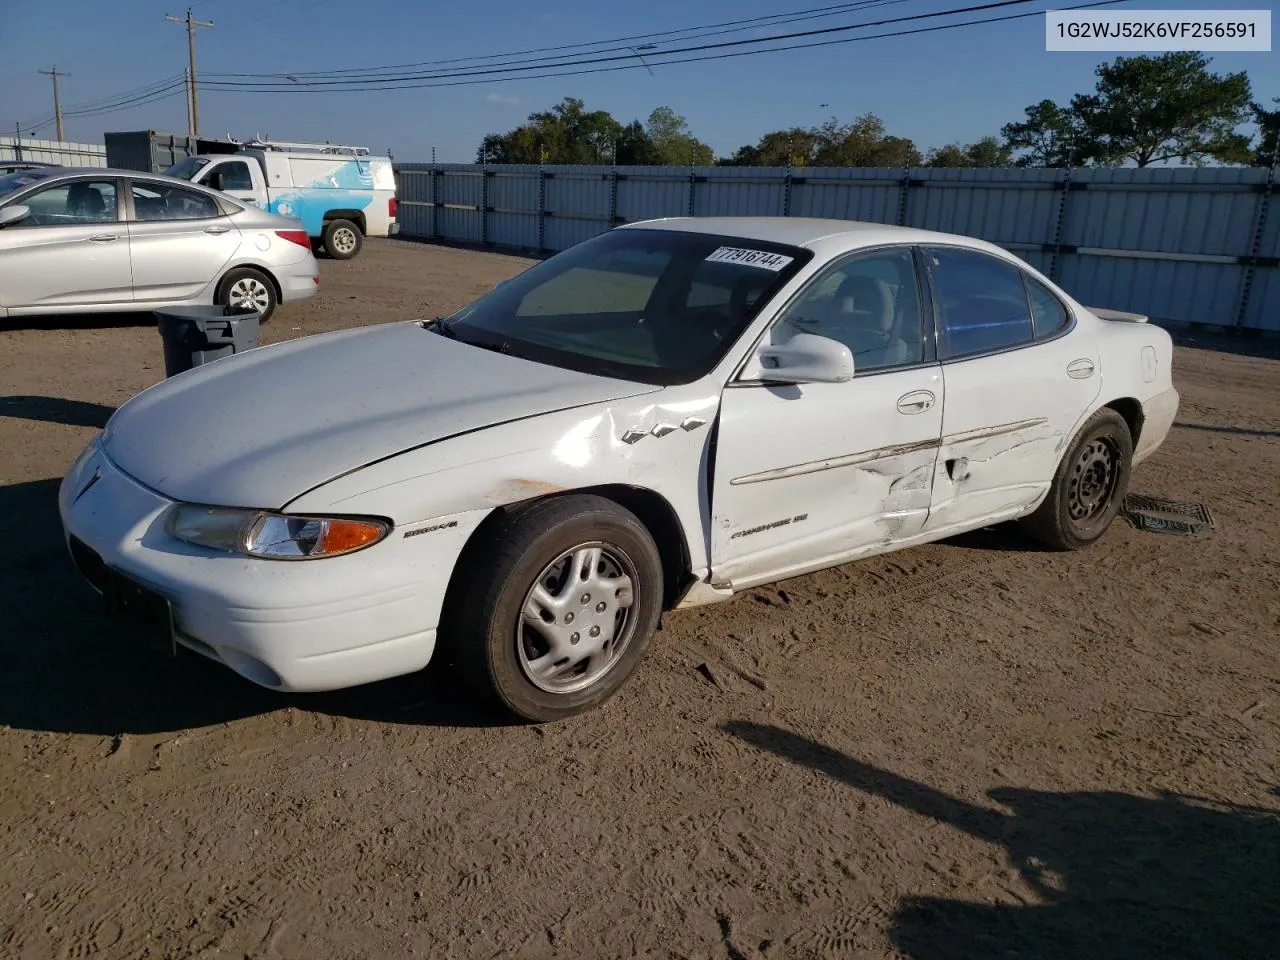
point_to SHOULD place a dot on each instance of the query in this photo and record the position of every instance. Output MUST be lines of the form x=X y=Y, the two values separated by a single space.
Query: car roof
x=53 y=172
x=805 y=231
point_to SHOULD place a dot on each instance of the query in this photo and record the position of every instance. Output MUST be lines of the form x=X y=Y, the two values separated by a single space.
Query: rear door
x=179 y=240
x=1019 y=377
x=72 y=251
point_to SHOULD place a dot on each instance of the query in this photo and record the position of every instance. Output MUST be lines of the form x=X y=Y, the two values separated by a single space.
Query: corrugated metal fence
x=1181 y=245
x=62 y=152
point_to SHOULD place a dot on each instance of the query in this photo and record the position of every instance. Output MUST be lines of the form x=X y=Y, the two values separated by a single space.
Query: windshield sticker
x=750 y=258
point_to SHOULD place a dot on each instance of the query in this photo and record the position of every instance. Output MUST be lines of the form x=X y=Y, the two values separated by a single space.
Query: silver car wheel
x=344 y=240
x=249 y=293
x=576 y=619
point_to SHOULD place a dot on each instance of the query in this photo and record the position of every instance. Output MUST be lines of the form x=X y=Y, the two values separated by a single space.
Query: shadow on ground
x=73 y=413
x=1118 y=877
x=66 y=668
x=1247 y=344
x=1238 y=431
x=80 y=321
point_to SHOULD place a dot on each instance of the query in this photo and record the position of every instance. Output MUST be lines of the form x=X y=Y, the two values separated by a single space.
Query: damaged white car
x=659 y=417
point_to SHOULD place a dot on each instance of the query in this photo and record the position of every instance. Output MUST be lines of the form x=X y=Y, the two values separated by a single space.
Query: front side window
x=234 y=175
x=160 y=201
x=982 y=303
x=656 y=306
x=70 y=204
x=869 y=302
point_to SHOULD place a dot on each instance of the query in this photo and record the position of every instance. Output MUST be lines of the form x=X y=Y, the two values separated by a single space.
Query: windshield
x=657 y=306
x=187 y=167
x=13 y=182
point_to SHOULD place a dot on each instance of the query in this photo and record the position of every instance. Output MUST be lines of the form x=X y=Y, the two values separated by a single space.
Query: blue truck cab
x=342 y=194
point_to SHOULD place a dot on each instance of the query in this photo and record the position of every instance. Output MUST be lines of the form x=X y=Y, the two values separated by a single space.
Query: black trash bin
x=194 y=336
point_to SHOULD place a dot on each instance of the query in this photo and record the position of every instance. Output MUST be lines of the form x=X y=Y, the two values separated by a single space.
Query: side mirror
x=13 y=214
x=806 y=358
x=214 y=181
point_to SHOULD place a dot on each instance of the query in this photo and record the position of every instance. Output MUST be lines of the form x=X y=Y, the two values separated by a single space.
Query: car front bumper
x=293 y=626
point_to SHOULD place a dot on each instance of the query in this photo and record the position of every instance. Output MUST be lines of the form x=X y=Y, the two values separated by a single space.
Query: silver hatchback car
x=75 y=240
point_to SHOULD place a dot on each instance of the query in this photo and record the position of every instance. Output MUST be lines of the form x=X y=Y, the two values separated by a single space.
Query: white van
x=341 y=194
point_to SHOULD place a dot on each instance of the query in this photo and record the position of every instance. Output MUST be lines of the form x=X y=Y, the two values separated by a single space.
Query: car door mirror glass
x=805 y=358
x=13 y=214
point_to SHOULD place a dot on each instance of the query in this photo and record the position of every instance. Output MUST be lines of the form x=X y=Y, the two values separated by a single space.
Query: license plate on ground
x=142 y=611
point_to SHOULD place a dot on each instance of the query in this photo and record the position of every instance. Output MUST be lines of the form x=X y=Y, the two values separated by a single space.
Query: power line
x=412 y=81
x=237 y=88
x=193 y=117
x=706 y=30
x=164 y=93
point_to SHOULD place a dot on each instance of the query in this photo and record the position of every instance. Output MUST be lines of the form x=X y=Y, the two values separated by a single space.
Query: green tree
x=862 y=143
x=635 y=148
x=567 y=133
x=987 y=152
x=1268 y=122
x=1051 y=136
x=673 y=143
x=1148 y=109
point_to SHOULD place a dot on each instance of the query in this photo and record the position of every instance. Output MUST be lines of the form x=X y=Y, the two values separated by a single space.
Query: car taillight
x=295 y=236
x=391 y=208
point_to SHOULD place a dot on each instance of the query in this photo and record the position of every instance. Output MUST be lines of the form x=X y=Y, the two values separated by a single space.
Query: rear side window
x=1047 y=311
x=982 y=302
x=160 y=201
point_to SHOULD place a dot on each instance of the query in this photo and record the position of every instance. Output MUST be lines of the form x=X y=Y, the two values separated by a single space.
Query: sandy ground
x=971 y=749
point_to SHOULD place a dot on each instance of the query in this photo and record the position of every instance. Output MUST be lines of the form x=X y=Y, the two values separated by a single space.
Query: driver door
x=813 y=474
x=72 y=251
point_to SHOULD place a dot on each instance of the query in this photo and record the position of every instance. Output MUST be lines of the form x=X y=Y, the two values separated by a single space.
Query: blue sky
x=934 y=88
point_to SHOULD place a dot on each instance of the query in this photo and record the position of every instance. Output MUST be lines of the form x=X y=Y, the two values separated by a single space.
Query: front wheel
x=342 y=239
x=248 y=289
x=556 y=607
x=1089 y=485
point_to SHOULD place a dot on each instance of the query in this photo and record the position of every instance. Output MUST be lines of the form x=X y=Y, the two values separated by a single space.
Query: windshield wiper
x=441 y=326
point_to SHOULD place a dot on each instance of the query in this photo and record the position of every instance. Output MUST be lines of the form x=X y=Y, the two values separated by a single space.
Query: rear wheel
x=558 y=607
x=1089 y=485
x=248 y=289
x=342 y=239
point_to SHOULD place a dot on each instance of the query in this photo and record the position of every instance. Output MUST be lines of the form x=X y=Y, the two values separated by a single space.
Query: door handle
x=918 y=401
x=103 y=238
x=1080 y=369
x=216 y=229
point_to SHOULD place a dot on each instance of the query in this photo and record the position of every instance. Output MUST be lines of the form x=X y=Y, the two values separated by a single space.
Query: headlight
x=274 y=536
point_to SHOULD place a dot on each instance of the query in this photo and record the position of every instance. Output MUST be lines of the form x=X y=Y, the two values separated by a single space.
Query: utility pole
x=186 y=78
x=57 y=102
x=191 y=53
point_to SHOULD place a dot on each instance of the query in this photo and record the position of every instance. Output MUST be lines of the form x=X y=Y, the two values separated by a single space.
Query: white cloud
x=499 y=100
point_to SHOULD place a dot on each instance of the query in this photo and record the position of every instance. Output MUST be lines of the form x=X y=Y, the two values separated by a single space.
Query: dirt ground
x=970 y=749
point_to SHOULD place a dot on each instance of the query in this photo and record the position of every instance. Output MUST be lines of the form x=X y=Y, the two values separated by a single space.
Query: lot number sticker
x=750 y=258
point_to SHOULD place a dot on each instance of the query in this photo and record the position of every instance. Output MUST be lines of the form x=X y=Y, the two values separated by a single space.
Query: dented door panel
x=807 y=473
x=1007 y=422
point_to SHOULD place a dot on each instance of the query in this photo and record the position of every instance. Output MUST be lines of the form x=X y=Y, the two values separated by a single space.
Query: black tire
x=246 y=286
x=492 y=644
x=1088 y=486
x=342 y=239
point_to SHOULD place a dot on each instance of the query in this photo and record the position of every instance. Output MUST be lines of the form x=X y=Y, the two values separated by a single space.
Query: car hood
x=260 y=428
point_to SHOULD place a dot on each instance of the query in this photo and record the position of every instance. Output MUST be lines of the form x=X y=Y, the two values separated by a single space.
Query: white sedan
x=662 y=416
